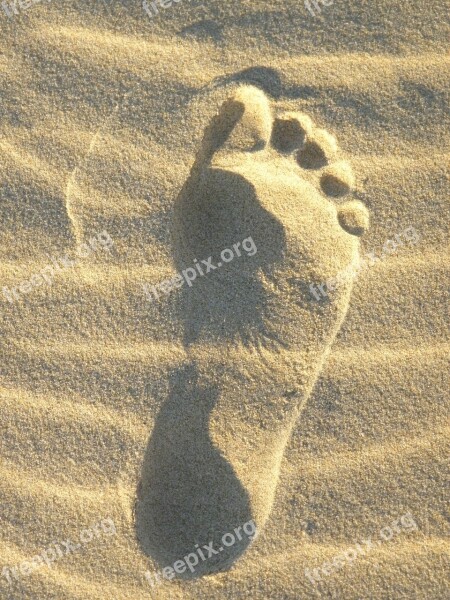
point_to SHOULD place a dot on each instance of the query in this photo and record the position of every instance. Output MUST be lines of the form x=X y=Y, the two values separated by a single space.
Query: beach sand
x=137 y=424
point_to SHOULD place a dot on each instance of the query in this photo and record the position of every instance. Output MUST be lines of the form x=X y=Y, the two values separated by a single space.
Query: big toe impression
x=243 y=124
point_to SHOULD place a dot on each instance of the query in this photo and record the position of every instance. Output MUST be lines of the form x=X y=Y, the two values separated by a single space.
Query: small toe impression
x=290 y=131
x=353 y=217
x=338 y=180
x=320 y=148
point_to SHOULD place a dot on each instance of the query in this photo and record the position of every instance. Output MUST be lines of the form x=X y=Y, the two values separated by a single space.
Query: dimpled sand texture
x=252 y=126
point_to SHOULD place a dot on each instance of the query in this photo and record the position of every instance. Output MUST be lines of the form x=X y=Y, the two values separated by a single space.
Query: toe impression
x=290 y=131
x=242 y=124
x=320 y=149
x=338 y=180
x=353 y=217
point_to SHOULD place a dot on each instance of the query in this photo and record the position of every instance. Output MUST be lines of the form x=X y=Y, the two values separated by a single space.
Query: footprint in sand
x=255 y=338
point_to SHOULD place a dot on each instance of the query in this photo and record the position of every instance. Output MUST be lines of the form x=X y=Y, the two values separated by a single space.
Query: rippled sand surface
x=103 y=111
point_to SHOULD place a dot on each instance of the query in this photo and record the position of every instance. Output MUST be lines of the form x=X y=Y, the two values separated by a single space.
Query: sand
x=141 y=420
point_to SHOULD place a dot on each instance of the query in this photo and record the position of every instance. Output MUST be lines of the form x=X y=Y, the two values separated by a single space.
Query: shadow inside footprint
x=216 y=211
x=189 y=494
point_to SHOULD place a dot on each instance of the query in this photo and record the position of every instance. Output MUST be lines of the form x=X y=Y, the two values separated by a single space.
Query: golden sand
x=141 y=424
